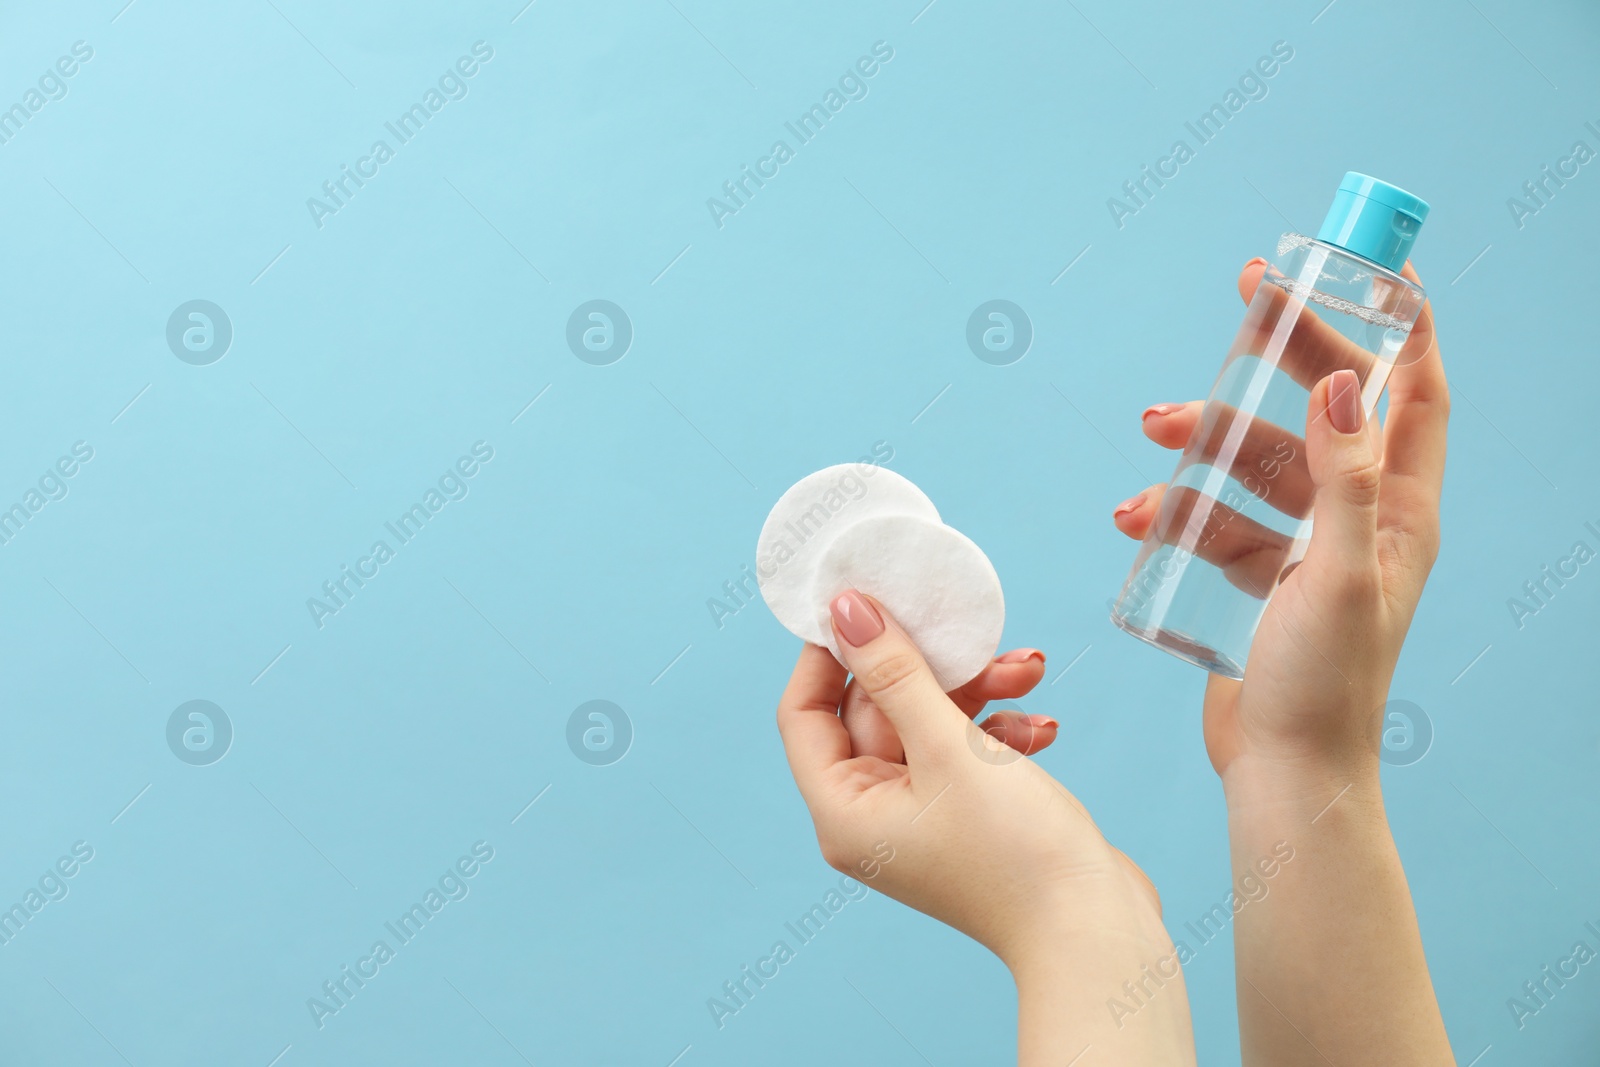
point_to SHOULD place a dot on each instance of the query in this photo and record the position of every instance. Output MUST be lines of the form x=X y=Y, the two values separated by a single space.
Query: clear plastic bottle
x=1236 y=517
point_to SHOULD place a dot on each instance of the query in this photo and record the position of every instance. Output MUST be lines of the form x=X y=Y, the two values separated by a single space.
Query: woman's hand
x=909 y=795
x=1322 y=659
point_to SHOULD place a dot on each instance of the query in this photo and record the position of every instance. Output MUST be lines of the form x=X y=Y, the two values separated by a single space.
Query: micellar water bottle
x=1236 y=517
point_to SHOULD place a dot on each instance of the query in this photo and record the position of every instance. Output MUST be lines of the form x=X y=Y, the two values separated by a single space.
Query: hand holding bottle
x=1236 y=518
x=1327 y=646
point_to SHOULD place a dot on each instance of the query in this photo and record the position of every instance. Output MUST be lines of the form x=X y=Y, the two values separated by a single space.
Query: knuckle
x=1416 y=535
x=1358 y=585
x=1425 y=542
x=1412 y=552
x=1361 y=482
x=834 y=852
x=1429 y=546
x=892 y=674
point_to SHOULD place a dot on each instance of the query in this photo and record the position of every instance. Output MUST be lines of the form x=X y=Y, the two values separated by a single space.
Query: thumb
x=1345 y=470
x=891 y=670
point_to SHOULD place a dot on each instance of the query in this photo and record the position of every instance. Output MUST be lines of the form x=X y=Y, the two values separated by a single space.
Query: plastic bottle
x=1236 y=516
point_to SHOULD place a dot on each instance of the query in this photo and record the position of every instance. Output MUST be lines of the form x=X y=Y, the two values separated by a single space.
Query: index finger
x=814 y=738
x=1414 y=431
x=1420 y=343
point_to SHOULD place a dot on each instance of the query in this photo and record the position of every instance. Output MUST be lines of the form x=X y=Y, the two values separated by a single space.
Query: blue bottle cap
x=1374 y=220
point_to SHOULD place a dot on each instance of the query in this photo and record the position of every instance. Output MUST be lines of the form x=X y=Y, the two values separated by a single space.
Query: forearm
x=1117 y=997
x=1329 y=960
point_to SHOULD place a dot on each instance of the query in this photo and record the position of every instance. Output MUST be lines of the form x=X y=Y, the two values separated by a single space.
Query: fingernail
x=857 y=620
x=1158 y=409
x=1021 y=655
x=1041 y=721
x=1344 y=401
x=1127 y=505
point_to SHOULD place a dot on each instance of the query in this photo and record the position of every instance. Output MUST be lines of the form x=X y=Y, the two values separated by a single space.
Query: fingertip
x=1169 y=425
x=856 y=619
x=1134 y=515
x=1026 y=734
x=1128 y=506
x=1001 y=680
x=1042 y=738
x=890 y=669
x=1344 y=404
x=1250 y=277
x=1007 y=679
x=1320 y=435
x=1424 y=333
x=1156 y=422
x=1128 y=523
x=1317 y=407
x=1341 y=457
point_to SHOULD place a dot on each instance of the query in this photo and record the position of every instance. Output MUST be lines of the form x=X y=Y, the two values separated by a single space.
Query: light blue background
x=825 y=316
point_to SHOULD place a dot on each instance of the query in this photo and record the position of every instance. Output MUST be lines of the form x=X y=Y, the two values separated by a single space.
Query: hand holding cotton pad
x=864 y=527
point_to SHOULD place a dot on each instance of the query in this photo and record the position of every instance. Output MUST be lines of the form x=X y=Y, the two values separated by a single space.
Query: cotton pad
x=807 y=519
x=934 y=580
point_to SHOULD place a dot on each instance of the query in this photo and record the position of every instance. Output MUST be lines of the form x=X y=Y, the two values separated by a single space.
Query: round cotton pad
x=935 y=581
x=807 y=519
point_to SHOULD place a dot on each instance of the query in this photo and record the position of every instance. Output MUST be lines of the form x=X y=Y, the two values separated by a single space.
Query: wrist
x=1283 y=753
x=1118 y=991
x=1336 y=731
x=1292 y=799
x=1096 y=960
x=1083 y=921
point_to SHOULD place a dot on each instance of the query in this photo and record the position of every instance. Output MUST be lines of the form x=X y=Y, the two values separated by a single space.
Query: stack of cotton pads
x=859 y=526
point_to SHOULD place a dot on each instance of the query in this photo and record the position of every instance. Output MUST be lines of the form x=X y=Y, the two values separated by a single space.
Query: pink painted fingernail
x=1021 y=655
x=1130 y=504
x=857 y=620
x=1344 y=401
x=1158 y=409
x=1041 y=721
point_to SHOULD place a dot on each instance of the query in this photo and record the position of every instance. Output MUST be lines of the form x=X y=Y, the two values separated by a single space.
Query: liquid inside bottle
x=1236 y=517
